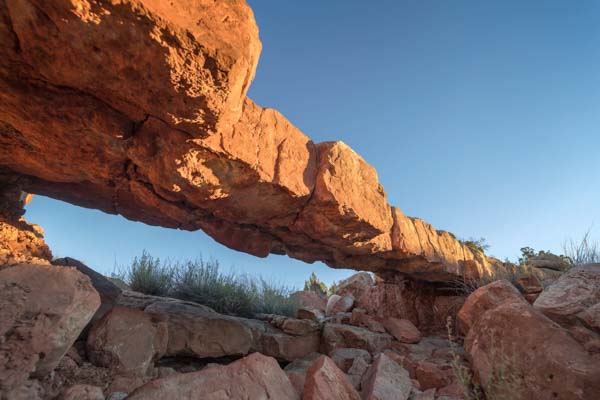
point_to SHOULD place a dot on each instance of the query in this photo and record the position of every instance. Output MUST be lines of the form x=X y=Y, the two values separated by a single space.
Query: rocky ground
x=69 y=333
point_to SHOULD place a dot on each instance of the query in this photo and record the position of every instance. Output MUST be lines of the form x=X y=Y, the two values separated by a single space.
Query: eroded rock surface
x=517 y=351
x=253 y=377
x=164 y=134
x=43 y=309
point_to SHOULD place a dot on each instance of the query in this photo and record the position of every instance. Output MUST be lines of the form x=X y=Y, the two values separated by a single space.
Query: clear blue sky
x=481 y=117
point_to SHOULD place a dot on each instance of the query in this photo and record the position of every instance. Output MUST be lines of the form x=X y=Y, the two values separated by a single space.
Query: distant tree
x=313 y=284
x=528 y=253
x=476 y=244
x=333 y=288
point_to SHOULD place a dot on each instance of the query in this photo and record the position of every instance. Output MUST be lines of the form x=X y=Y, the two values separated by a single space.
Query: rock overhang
x=140 y=109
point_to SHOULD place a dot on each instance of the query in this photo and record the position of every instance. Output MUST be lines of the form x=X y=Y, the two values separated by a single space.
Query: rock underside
x=139 y=108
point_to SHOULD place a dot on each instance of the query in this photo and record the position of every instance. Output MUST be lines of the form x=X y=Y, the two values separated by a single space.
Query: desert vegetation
x=205 y=283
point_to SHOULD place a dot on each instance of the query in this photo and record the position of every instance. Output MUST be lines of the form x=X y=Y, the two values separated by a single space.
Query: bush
x=148 y=275
x=203 y=282
x=584 y=251
x=314 y=284
x=476 y=244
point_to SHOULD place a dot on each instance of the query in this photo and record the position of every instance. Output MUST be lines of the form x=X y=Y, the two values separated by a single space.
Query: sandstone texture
x=403 y=330
x=386 y=380
x=485 y=298
x=515 y=350
x=43 y=310
x=574 y=299
x=253 y=377
x=325 y=381
x=163 y=133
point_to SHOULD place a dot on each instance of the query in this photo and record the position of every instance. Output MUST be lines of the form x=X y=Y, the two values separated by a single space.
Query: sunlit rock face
x=139 y=108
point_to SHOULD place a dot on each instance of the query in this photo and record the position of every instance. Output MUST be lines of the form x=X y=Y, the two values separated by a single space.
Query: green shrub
x=148 y=275
x=203 y=282
x=476 y=244
x=314 y=284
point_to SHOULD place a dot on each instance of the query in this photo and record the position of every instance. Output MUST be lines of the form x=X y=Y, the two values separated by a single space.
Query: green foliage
x=203 y=282
x=476 y=244
x=313 y=284
x=333 y=288
x=148 y=275
x=528 y=253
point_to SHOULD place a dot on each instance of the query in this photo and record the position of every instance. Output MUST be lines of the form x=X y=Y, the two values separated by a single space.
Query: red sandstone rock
x=83 y=392
x=44 y=308
x=403 y=330
x=296 y=371
x=574 y=298
x=517 y=351
x=127 y=341
x=357 y=285
x=386 y=380
x=338 y=304
x=430 y=375
x=166 y=135
x=337 y=336
x=357 y=371
x=253 y=377
x=486 y=298
x=310 y=300
x=359 y=317
x=311 y=315
x=108 y=291
x=325 y=381
x=344 y=357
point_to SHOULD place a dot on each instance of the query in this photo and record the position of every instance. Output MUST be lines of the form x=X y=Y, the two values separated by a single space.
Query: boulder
x=293 y=326
x=254 y=377
x=325 y=381
x=337 y=304
x=310 y=314
x=296 y=371
x=359 y=317
x=126 y=341
x=82 y=392
x=344 y=358
x=310 y=300
x=430 y=375
x=108 y=291
x=483 y=299
x=549 y=261
x=337 y=336
x=574 y=298
x=516 y=351
x=403 y=330
x=283 y=346
x=357 y=371
x=357 y=285
x=386 y=380
x=44 y=309
x=529 y=284
x=196 y=330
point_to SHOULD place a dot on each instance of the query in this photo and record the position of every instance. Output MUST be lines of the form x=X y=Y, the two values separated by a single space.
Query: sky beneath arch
x=483 y=118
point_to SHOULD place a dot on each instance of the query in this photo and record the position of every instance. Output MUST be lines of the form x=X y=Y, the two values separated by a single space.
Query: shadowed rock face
x=140 y=109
